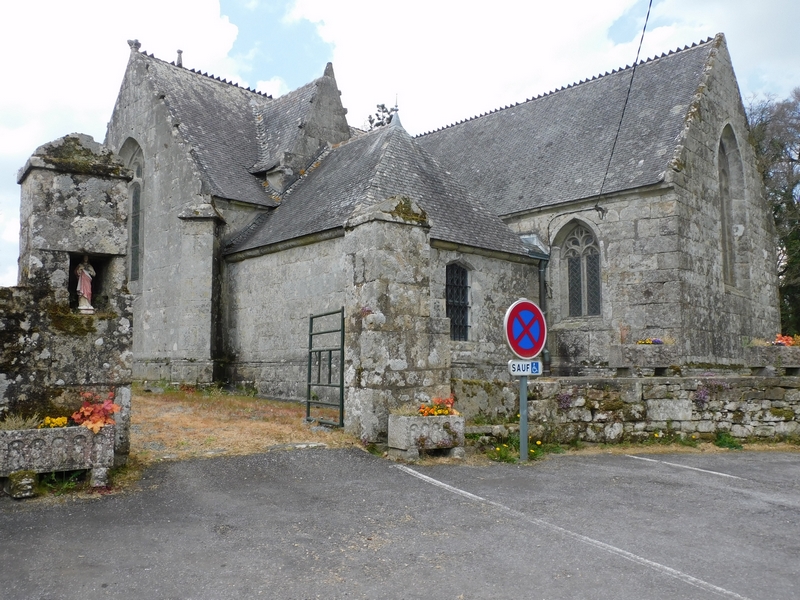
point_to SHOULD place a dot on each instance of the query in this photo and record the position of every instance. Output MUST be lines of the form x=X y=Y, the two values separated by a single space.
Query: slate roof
x=218 y=120
x=277 y=125
x=365 y=171
x=555 y=148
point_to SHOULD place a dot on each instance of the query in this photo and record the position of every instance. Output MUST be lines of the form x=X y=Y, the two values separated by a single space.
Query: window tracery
x=582 y=257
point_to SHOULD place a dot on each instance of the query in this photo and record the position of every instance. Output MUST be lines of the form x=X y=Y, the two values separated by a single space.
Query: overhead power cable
x=598 y=208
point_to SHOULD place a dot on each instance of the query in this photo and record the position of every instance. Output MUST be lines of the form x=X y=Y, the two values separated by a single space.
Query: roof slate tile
x=555 y=148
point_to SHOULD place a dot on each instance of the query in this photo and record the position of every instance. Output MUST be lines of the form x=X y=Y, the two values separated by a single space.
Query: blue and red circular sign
x=525 y=329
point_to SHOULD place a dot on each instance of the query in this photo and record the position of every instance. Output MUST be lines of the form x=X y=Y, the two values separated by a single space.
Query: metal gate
x=325 y=383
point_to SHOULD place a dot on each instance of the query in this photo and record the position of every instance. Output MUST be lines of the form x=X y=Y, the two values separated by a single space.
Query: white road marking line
x=686 y=578
x=663 y=462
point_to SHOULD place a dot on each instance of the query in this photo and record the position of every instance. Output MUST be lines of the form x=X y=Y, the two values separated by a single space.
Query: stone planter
x=58 y=449
x=777 y=357
x=652 y=356
x=410 y=434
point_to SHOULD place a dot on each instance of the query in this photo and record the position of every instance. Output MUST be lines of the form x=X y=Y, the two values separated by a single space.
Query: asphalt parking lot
x=321 y=523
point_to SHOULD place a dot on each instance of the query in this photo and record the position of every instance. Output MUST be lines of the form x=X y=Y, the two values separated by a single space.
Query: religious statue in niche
x=84 y=272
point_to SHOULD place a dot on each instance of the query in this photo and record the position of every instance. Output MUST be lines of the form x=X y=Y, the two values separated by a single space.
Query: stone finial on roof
x=135 y=45
x=329 y=71
x=179 y=60
x=395 y=118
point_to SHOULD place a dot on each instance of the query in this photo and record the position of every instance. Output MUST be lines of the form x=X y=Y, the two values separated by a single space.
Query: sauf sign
x=526 y=334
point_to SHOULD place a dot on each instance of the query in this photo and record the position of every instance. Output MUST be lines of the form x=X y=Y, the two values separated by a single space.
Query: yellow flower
x=538 y=443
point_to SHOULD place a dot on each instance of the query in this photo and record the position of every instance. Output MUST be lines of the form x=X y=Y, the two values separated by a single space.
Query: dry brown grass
x=184 y=424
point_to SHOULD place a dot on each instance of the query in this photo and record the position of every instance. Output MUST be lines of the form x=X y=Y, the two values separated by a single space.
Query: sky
x=62 y=62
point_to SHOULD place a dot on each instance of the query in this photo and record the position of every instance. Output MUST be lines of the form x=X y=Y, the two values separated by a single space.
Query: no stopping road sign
x=525 y=329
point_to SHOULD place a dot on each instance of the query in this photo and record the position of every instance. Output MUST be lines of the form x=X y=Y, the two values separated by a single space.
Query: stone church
x=627 y=205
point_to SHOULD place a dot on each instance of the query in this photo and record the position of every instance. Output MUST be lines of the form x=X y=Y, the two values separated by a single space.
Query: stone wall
x=721 y=316
x=268 y=300
x=479 y=372
x=174 y=298
x=634 y=409
x=74 y=204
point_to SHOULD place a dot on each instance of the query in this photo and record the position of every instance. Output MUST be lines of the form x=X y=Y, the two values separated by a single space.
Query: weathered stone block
x=425 y=433
x=57 y=449
x=21 y=484
x=669 y=410
x=643 y=355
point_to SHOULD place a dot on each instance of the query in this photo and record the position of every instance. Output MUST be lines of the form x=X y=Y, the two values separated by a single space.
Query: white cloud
x=275 y=86
x=62 y=65
x=8 y=275
x=446 y=63
x=9 y=229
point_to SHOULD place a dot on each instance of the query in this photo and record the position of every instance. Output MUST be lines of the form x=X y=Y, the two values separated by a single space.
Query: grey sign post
x=526 y=333
x=523 y=369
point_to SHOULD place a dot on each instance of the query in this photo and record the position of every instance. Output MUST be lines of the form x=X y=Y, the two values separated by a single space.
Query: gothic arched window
x=582 y=257
x=135 y=189
x=457 y=301
x=731 y=195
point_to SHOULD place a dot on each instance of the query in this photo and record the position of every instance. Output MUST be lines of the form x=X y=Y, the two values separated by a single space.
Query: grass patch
x=670 y=438
x=63 y=482
x=15 y=422
x=508 y=450
x=189 y=422
x=726 y=440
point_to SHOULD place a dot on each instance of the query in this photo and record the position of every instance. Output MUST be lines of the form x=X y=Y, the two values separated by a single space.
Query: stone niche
x=54 y=344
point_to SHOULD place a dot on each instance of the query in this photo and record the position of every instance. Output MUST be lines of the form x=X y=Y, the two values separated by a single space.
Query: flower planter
x=786 y=357
x=410 y=434
x=58 y=449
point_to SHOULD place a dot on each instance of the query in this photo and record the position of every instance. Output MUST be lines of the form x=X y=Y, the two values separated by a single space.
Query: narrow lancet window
x=457 y=300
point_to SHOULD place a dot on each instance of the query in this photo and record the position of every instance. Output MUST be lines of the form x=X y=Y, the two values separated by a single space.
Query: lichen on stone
x=71 y=323
x=404 y=209
x=71 y=155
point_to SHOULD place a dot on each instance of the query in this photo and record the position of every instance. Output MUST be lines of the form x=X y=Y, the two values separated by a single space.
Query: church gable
x=216 y=120
x=294 y=129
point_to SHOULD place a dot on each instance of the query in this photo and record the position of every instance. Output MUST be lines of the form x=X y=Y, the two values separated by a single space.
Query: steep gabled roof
x=367 y=170
x=555 y=148
x=217 y=120
x=277 y=125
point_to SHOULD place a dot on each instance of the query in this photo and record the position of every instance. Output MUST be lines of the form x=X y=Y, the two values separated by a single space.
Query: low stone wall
x=173 y=371
x=632 y=409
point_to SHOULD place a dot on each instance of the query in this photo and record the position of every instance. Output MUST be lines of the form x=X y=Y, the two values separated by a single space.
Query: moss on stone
x=404 y=210
x=611 y=404
x=632 y=413
x=787 y=414
x=73 y=157
x=71 y=323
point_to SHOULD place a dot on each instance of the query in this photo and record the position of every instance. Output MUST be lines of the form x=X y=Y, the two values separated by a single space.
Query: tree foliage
x=383 y=116
x=775 y=135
